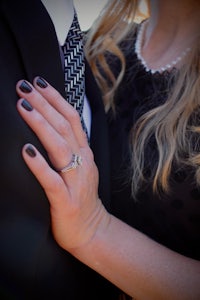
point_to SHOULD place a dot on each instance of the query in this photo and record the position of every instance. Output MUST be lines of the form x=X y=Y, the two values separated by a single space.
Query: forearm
x=139 y=266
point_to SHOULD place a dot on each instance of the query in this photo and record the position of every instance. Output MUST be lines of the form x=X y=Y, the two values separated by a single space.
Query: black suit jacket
x=32 y=265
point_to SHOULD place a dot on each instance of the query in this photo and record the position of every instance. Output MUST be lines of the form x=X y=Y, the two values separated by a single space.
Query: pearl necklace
x=168 y=66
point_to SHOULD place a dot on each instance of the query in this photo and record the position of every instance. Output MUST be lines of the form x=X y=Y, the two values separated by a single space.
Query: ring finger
x=58 y=148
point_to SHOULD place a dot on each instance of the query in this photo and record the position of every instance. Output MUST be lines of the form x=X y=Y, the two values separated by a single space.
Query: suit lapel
x=38 y=58
x=99 y=136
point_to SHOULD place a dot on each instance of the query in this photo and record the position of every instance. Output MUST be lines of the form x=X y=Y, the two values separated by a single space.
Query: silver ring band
x=74 y=163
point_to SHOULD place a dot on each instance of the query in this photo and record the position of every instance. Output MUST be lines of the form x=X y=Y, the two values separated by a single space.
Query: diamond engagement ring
x=74 y=163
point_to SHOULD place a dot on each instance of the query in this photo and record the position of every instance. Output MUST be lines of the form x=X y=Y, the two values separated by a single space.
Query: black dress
x=172 y=220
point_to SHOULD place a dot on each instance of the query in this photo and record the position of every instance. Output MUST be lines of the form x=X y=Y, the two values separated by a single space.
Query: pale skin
x=81 y=225
x=172 y=27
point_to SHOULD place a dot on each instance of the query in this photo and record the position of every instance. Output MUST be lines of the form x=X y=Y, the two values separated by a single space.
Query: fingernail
x=26 y=105
x=41 y=82
x=25 y=87
x=30 y=151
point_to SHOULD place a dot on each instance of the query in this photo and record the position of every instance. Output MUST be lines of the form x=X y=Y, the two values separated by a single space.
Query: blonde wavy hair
x=174 y=123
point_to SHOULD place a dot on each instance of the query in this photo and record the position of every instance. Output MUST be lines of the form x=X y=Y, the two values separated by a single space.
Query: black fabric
x=32 y=265
x=172 y=220
x=99 y=137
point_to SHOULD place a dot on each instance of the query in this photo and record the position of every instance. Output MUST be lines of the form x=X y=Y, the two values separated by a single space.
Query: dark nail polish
x=41 y=82
x=26 y=105
x=25 y=87
x=30 y=151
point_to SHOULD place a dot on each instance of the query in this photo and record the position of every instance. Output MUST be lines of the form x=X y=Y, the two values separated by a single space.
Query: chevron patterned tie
x=74 y=68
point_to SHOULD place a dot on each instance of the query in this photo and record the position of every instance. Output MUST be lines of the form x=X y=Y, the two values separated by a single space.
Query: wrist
x=97 y=227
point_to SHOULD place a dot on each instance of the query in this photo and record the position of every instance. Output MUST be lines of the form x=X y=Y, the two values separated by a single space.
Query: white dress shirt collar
x=61 y=13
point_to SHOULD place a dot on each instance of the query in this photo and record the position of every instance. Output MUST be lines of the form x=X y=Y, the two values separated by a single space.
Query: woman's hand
x=136 y=264
x=76 y=210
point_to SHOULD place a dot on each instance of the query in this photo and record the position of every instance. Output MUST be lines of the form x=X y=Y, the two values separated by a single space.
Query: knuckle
x=88 y=153
x=54 y=94
x=62 y=149
x=74 y=116
x=40 y=121
x=63 y=127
